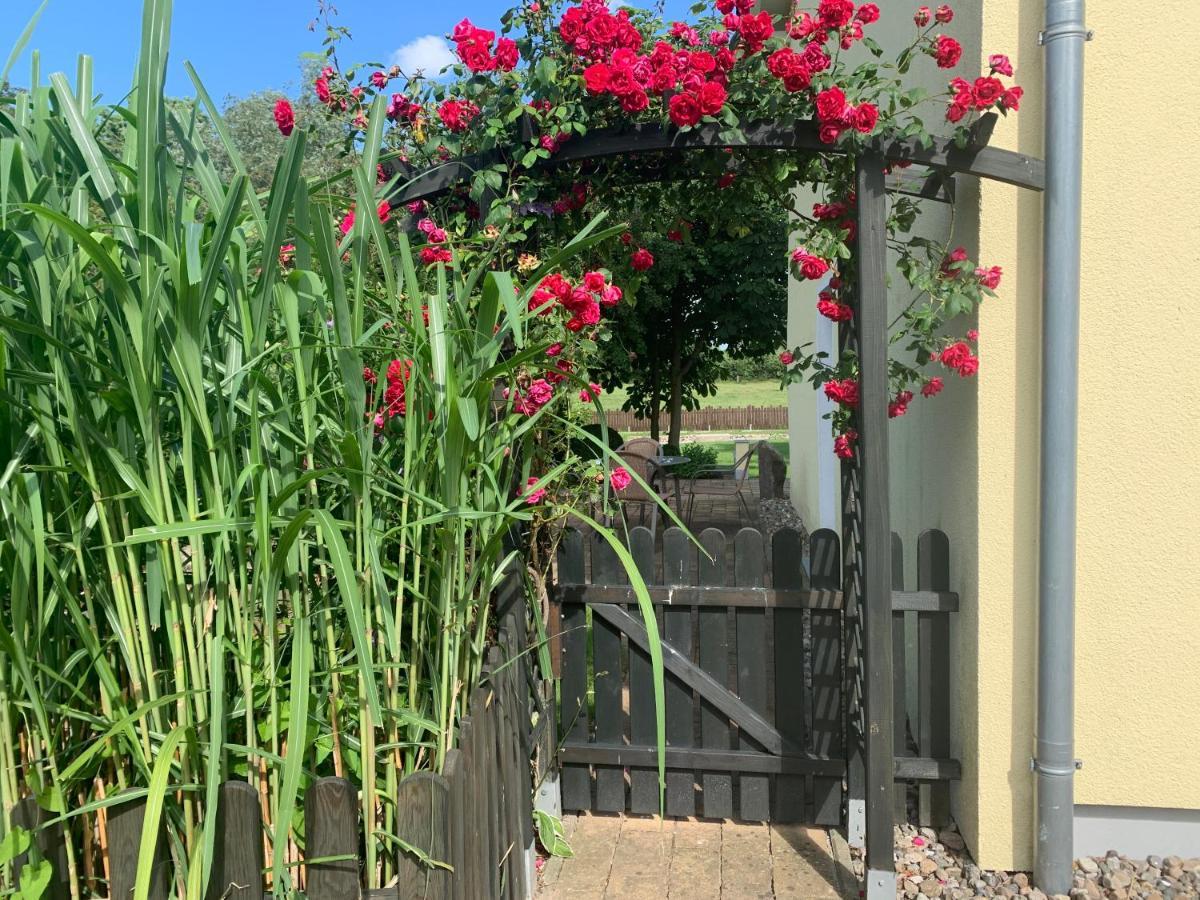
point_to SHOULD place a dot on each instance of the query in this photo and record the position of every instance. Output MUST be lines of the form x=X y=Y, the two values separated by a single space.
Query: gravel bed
x=933 y=863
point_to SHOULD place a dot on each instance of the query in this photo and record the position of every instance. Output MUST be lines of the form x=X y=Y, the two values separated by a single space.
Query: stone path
x=646 y=858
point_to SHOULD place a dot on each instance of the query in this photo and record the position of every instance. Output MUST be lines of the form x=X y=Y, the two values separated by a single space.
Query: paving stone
x=802 y=864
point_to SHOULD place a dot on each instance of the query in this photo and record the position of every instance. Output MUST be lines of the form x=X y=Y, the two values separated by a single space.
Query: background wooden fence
x=719 y=418
x=476 y=816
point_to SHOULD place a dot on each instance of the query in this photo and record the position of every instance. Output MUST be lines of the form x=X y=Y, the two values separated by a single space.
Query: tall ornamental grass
x=224 y=552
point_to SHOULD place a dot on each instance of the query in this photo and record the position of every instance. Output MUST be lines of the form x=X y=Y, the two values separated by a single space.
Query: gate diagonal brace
x=692 y=675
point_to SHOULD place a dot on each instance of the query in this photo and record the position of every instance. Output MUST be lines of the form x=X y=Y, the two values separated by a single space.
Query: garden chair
x=639 y=463
x=713 y=481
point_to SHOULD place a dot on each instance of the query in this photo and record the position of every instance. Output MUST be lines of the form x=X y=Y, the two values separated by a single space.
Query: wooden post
x=876 y=526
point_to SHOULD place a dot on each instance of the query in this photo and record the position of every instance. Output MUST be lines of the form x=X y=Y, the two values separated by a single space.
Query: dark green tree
x=717 y=291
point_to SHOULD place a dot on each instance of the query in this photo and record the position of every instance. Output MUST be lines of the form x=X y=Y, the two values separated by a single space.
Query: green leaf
x=552 y=834
x=13 y=844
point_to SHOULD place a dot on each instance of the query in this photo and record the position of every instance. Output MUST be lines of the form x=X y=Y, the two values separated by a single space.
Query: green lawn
x=729 y=393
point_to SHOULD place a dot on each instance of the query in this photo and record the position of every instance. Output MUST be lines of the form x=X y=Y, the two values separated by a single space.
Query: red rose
x=989 y=278
x=476 y=57
x=844 y=392
x=322 y=88
x=998 y=62
x=899 y=405
x=837 y=312
x=626 y=238
x=756 y=31
x=712 y=98
x=726 y=180
x=596 y=77
x=703 y=62
x=635 y=101
x=664 y=79
x=571 y=26
x=507 y=54
x=835 y=13
x=641 y=260
x=986 y=92
x=922 y=16
x=786 y=357
x=285 y=119
x=944 y=14
x=684 y=110
x=811 y=267
x=955 y=355
x=932 y=387
x=1012 y=98
x=867 y=13
x=831 y=104
x=829 y=133
x=621 y=81
x=843 y=444
x=865 y=117
x=947 y=51
x=955 y=111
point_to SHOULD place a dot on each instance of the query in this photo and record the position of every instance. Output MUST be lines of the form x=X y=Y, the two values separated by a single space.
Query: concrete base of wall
x=1136 y=831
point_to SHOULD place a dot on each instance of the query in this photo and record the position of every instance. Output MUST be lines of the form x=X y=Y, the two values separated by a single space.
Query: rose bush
x=563 y=69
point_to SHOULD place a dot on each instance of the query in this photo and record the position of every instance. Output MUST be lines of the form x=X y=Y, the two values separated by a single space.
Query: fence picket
x=331 y=830
x=125 y=822
x=643 y=782
x=467 y=883
x=423 y=804
x=576 y=780
x=607 y=681
x=825 y=567
x=791 y=696
x=679 y=567
x=933 y=679
x=714 y=639
x=753 y=669
x=238 y=855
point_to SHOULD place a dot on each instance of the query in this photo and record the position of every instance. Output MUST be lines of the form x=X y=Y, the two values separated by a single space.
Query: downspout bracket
x=1048 y=769
x=1065 y=29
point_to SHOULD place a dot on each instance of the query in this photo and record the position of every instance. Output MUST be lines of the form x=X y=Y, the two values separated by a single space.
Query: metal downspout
x=1054 y=762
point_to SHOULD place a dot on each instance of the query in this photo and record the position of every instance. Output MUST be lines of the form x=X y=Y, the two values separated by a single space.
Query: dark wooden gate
x=752 y=638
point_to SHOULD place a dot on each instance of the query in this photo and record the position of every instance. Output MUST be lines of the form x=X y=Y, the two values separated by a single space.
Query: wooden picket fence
x=475 y=819
x=720 y=418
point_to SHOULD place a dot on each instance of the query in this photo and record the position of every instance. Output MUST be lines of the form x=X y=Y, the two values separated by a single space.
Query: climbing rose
x=986 y=92
x=944 y=14
x=322 y=87
x=641 y=260
x=533 y=497
x=596 y=77
x=998 y=62
x=899 y=406
x=838 y=312
x=835 y=13
x=958 y=356
x=457 y=114
x=507 y=54
x=1012 y=98
x=620 y=478
x=590 y=393
x=712 y=98
x=284 y=117
x=684 y=110
x=973 y=335
x=844 y=392
x=433 y=255
x=831 y=104
x=347 y=222
x=756 y=31
x=989 y=278
x=786 y=357
x=843 y=445
x=865 y=117
x=932 y=387
x=811 y=267
x=948 y=51
x=867 y=13
x=922 y=16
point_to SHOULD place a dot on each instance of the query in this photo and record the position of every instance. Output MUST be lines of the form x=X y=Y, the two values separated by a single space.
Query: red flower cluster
x=946 y=50
x=590 y=393
x=958 y=356
x=593 y=32
x=457 y=115
x=843 y=444
x=830 y=306
x=474 y=47
x=844 y=392
x=986 y=92
x=932 y=387
x=836 y=115
x=899 y=405
x=400 y=108
x=527 y=402
x=583 y=301
x=698 y=77
x=532 y=497
x=285 y=119
x=399 y=373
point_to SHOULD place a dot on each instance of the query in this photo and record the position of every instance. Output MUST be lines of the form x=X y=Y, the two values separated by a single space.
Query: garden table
x=662 y=464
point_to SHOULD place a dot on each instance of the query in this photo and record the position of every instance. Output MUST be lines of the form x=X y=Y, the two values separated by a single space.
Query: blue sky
x=236 y=47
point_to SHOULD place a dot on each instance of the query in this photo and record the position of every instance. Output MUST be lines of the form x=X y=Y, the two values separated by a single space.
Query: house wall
x=967 y=462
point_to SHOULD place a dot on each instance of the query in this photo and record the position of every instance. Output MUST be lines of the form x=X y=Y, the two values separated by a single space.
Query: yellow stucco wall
x=1138 y=596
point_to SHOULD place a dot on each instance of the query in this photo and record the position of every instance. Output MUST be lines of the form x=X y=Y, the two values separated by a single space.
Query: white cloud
x=429 y=54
